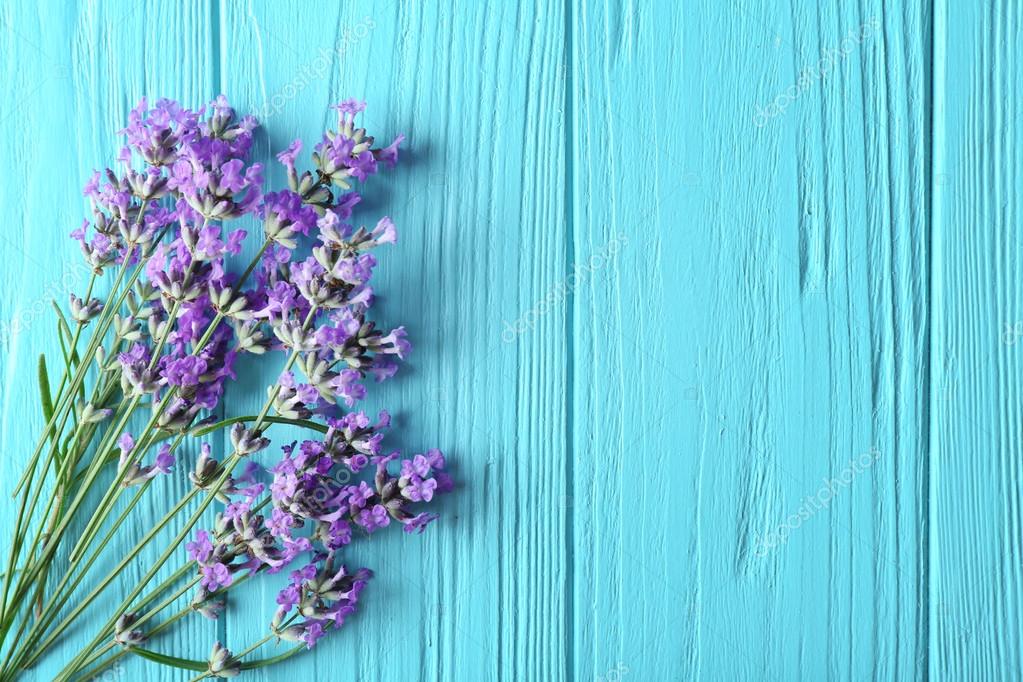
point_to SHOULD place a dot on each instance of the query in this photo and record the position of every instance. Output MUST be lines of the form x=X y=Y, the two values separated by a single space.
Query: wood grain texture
x=976 y=598
x=716 y=308
x=764 y=327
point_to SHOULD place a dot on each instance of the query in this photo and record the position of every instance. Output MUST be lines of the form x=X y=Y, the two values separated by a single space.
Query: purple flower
x=164 y=459
x=313 y=633
x=385 y=232
x=231 y=176
x=389 y=154
x=288 y=156
x=280 y=523
x=126 y=443
x=234 y=242
x=420 y=490
x=236 y=510
x=288 y=597
x=185 y=372
x=350 y=107
x=417 y=466
x=294 y=547
x=307 y=572
x=374 y=517
x=200 y=549
x=396 y=343
x=347 y=387
x=383 y=369
x=285 y=214
x=418 y=523
x=215 y=576
x=339 y=534
x=359 y=495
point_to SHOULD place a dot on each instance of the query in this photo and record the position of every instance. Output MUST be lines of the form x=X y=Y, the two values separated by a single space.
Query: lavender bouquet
x=145 y=365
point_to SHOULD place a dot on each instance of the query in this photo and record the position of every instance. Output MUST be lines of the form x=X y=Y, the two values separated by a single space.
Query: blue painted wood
x=750 y=464
x=716 y=310
x=976 y=600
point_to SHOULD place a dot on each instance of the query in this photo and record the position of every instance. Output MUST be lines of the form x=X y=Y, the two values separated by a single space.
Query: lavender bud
x=206 y=470
x=146 y=291
x=90 y=415
x=157 y=327
x=304 y=185
x=137 y=380
x=126 y=329
x=223 y=663
x=222 y=301
x=292 y=633
x=251 y=339
x=83 y=312
x=289 y=405
x=147 y=186
x=209 y=608
x=124 y=634
x=178 y=416
x=279 y=233
x=247 y=441
x=294 y=336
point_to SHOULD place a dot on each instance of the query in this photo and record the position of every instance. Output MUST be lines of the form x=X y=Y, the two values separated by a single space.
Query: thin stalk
x=64 y=408
x=112 y=492
x=207 y=334
x=57 y=599
x=90 y=474
x=105 y=320
x=229 y=466
x=78 y=332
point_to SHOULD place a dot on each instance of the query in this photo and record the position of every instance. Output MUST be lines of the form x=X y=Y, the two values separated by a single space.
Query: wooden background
x=673 y=270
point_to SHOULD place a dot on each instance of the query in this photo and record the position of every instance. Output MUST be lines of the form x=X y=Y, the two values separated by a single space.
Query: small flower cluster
x=323 y=595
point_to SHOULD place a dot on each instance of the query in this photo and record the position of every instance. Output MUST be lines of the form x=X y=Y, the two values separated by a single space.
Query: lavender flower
x=170 y=338
x=318 y=308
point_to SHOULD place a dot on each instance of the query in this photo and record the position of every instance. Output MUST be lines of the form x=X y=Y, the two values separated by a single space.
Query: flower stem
x=229 y=464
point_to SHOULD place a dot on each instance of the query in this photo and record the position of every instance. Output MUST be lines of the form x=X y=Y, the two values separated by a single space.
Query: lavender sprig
x=179 y=326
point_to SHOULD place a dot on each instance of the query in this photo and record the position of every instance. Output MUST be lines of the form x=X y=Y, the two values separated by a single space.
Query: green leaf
x=305 y=423
x=172 y=661
x=44 y=390
x=203 y=666
x=47 y=401
x=64 y=336
x=262 y=663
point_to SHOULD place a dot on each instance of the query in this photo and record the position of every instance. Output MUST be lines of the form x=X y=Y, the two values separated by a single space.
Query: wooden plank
x=761 y=332
x=479 y=204
x=976 y=601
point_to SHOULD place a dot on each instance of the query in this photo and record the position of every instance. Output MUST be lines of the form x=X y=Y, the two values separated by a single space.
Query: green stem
x=229 y=465
x=61 y=413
